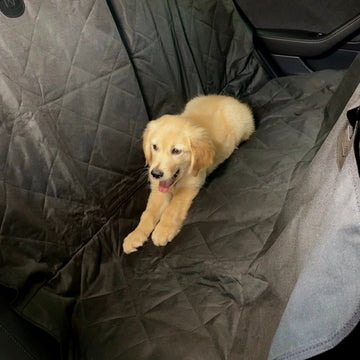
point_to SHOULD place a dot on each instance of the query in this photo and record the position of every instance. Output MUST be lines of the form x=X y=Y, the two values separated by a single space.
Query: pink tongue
x=164 y=186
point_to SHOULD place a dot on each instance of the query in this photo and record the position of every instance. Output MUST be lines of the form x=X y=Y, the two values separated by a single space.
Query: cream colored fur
x=185 y=148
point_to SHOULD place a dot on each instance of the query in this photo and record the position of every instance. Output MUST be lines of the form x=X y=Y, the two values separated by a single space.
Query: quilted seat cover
x=79 y=80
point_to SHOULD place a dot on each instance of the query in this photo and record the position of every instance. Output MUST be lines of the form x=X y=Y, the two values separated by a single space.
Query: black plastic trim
x=303 y=43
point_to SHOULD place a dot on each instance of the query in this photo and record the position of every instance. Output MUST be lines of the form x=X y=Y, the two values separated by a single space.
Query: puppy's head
x=174 y=147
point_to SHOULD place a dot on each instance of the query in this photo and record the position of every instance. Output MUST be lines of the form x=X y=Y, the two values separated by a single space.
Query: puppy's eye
x=175 y=151
x=155 y=147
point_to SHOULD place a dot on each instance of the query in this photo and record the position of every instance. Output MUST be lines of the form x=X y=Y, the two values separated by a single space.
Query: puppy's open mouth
x=164 y=186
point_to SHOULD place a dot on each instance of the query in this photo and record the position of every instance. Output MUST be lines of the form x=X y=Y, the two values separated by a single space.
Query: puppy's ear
x=147 y=142
x=202 y=151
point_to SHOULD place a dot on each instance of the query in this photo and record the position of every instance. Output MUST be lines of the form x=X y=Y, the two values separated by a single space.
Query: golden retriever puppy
x=181 y=150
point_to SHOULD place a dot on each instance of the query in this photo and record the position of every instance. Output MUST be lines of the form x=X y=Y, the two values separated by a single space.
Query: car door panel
x=305 y=36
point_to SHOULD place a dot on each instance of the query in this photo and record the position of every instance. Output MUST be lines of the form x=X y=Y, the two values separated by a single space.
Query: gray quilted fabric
x=78 y=85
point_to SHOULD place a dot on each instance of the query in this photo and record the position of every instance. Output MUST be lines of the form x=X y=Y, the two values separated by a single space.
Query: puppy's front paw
x=133 y=241
x=164 y=233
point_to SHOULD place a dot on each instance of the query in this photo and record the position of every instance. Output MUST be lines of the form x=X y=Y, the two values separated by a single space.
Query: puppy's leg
x=156 y=205
x=173 y=216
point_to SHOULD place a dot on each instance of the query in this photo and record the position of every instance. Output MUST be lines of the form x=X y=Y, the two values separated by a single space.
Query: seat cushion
x=76 y=95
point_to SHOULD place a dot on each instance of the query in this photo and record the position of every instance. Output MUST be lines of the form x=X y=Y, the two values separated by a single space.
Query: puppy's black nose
x=156 y=173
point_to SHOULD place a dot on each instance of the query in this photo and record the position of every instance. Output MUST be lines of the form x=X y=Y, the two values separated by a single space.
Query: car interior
x=265 y=265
